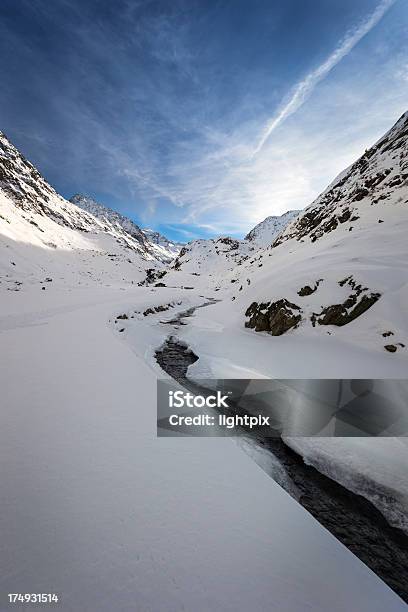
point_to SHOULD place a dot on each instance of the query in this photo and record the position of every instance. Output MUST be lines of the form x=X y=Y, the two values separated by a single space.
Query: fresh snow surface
x=99 y=510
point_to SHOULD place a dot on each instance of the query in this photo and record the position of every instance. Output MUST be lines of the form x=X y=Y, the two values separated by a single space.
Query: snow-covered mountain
x=209 y=261
x=267 y=230
x=42 y=235
x=165 y=248
x=339 y=268
x=377 y=179
x=154 y=243
x=109 y=216
x=218 y=260
x=343 y=260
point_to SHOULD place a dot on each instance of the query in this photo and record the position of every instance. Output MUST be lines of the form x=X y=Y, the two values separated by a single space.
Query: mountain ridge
x=264 y=232
x=155 y=243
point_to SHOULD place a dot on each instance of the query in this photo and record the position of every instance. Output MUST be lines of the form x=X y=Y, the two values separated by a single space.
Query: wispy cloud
x=223 y=185
x=212 y=178
x=161 y=109
x=303 y=89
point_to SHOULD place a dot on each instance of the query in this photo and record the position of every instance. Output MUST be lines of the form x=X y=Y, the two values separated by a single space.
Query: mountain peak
x=379 y=176
x=264 y=233
x=158 y=245
x=102 y=212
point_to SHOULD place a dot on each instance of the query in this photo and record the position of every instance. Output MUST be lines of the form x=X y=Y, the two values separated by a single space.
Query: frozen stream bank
x=350 y=517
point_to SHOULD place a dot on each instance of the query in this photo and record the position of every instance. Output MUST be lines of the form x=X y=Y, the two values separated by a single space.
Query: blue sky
x=200 y=117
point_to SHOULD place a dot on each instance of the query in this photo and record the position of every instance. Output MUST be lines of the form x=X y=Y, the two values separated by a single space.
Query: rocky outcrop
x=275 y=318
x=152 y=276
x=308 y=290
x=349 y=310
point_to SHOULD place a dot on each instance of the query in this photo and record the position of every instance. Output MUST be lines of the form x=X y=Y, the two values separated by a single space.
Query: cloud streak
x=157 y=111
x=303 y=89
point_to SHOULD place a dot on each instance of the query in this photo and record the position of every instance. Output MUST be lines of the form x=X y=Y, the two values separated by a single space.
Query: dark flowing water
x=349 y=517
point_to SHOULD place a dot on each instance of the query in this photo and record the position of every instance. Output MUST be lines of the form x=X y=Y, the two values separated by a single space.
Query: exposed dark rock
x=122 y=316
x=274 y=317
x=360 y=193
x=333 y=315
x=345 y=216
x=391 y=348
x=152 y=275
x=388 y=333
x=155 y=309
x=363 y=305
x=339 y=314
x=397 y=180
x=233 y=244
x=307 y=290
x=178 y=262
x=357 y=287
x=375 y=180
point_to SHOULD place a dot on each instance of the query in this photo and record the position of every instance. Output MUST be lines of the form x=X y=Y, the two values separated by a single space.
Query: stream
x=349 y=517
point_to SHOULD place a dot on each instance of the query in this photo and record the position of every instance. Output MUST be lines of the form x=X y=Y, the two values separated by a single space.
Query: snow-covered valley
x=95 y=506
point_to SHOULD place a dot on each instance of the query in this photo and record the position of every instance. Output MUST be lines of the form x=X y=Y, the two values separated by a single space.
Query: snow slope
x=154 y=243
x=217 y=260
x=267 y=230
x=107 y=215
x=51 y=253
x=208 y=264
x=168 y=249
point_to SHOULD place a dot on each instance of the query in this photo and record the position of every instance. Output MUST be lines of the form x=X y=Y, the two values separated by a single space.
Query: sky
x=200 y=117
